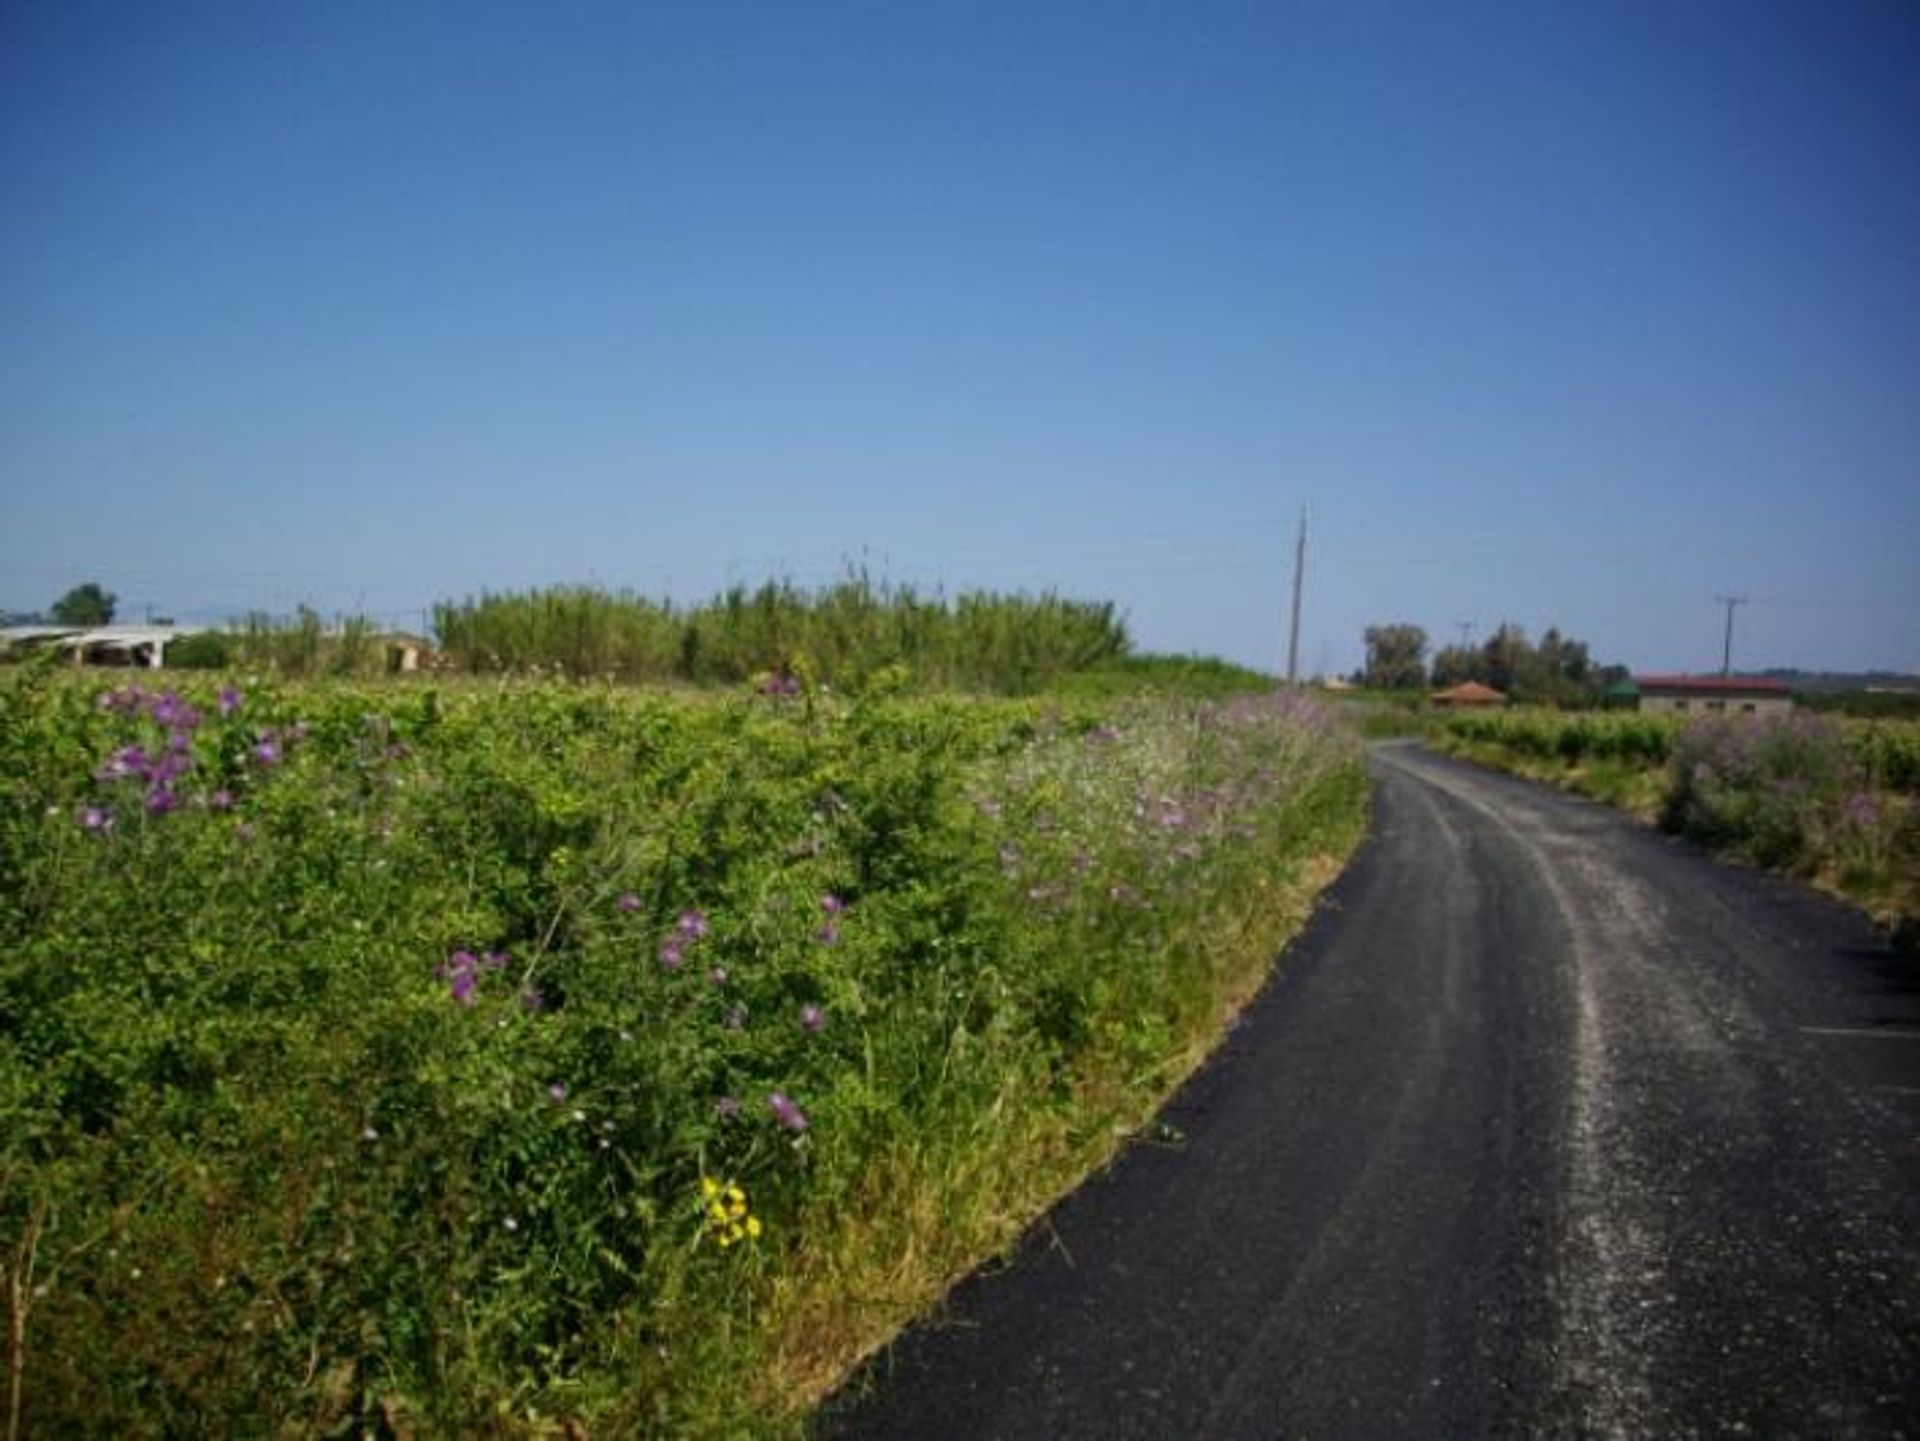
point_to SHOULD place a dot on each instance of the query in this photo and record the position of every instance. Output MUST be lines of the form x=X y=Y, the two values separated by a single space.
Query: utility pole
x=1299 y=573
x=1726 y=653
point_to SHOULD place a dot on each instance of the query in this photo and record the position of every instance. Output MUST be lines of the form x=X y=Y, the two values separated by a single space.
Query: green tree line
x=1557 y=670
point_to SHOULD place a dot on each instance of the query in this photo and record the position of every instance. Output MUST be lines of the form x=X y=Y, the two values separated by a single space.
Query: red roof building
x=1467 y=695
x=1713 y=694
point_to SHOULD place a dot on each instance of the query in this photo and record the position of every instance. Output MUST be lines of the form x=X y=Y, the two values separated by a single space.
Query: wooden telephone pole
x=1726 y=652
x=1299 y=574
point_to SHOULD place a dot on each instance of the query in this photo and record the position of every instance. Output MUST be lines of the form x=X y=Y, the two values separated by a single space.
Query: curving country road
x=1548 y=1125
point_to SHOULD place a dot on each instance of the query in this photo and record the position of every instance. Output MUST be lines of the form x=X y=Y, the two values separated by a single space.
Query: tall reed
x=846 y=635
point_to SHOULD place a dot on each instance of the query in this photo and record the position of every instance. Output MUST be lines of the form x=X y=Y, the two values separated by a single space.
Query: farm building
x=1712 y=694
x=134 y=645
x=1468 y=695
x=406 y=653
x=19 y=639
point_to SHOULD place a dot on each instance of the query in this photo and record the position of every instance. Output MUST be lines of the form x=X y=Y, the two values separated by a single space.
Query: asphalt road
x=1548 y=1125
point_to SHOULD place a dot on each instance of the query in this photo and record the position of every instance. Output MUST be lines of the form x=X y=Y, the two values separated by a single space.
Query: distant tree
x=1396 y=656
x=1505 y=658
x=1455 y=665
x=86 y=604
x=1559 y=671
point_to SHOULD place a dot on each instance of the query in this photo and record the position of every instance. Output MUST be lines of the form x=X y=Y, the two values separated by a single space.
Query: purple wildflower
x=832 y=904
x=229 y=700
x=174 y=714
x=461 y=972
x=267 y=752
x=726 y=1108
x=812 y=1019
x=671 y=954
x=494 y=961
x=160 y=800
x=532 y=1002
x=829 y=934
x=692 y=924
x=557 y=1092
x=458 y=961
x=628 y=902
x=93 y=818
x=786 y=1111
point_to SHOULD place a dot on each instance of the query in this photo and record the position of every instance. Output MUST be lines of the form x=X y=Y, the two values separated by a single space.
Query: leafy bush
x=203 y=650
x=1762 y=786
x=1831 y=799
x=472 y=1059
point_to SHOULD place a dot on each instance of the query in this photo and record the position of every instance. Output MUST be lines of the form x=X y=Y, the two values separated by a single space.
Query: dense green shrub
x=370 y=1057
x=203 y=650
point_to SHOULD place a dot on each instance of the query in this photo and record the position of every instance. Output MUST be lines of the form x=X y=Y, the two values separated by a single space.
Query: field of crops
x=1835 y=800
x=496 y=1058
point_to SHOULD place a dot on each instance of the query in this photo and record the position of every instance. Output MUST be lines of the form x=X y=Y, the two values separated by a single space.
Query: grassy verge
x=525 y=1059
x=1835 y=803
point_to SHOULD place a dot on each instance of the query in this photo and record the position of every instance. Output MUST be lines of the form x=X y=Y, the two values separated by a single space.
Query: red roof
x=1714 y=684
x=1470 y=690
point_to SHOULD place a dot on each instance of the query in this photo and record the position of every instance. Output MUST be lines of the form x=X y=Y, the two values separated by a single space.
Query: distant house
x=1713 y=695
x=406 y=653
x=1468 y=695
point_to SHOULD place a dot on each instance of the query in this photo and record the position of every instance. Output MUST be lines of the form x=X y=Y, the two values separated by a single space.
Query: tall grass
x=849 y=635
x=302 y=646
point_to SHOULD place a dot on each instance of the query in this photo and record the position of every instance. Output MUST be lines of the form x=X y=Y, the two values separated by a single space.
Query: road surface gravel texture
x=1549 y=1125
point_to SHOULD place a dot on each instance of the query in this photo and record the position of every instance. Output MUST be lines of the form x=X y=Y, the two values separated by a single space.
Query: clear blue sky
x=1554 y=312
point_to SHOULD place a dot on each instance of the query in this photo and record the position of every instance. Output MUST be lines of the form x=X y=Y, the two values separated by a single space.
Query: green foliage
x=1833 y=800
x=1558 y=671
x=1865 y=704
x=203 y=650
x=1568 y=737
x=365 y=1052
x=88 y=604
x=302 y=647
x=1396 y=657
x=1182 y=675
x=843 y=636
